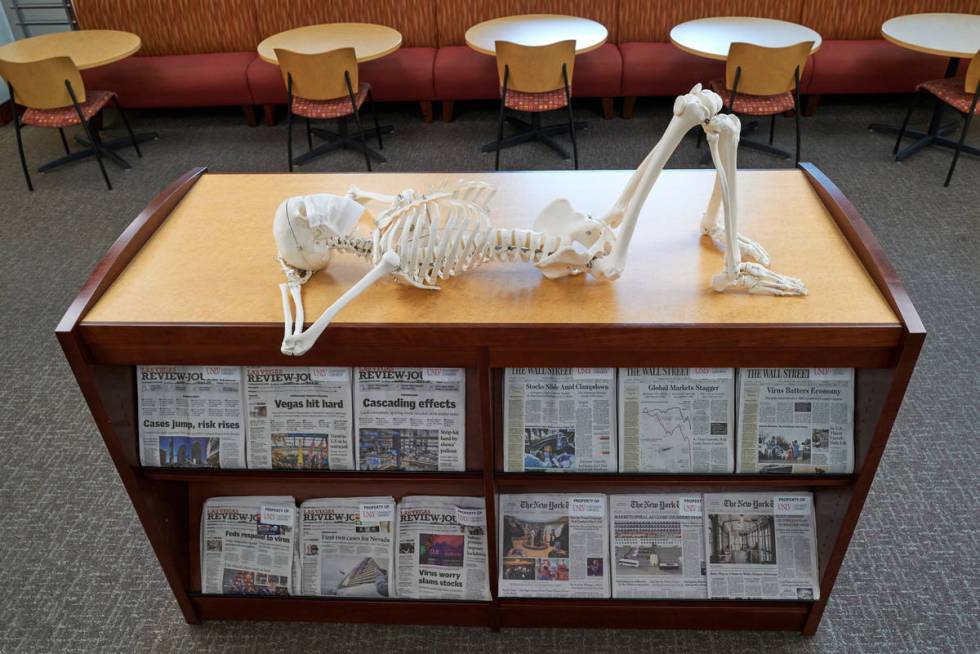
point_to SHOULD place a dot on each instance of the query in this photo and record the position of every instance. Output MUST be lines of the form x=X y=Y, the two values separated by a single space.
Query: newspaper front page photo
x=560 y=419
x=553 y=545
x=191 y=416
x=761 y=546
x=299 y=418
x=410 y=419
x=796 y=420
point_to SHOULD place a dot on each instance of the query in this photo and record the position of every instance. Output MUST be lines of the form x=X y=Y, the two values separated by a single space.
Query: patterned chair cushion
x=546 y=101
x=755 y=105
x=67 y=116
x=950 y=90
x=336 y=108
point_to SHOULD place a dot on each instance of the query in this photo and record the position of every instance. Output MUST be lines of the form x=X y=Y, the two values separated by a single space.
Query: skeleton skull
x=303 y=224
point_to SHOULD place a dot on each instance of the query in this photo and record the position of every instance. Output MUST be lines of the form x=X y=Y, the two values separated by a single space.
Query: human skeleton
x=422 y=238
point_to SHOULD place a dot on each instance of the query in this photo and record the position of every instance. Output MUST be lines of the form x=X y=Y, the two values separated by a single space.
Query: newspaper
x=676 y=420
x=299 y=418
x=347 y=546
x=191 y=416
x=657 y=545
x=553 y=545
x=560 y=419
x=761 y=546
x=442 y=548
x=410 y=418
x=248 y=546
x=796 y=420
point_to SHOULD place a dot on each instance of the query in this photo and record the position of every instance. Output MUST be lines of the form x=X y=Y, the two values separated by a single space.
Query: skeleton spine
x=362 y=247
x=519 y=245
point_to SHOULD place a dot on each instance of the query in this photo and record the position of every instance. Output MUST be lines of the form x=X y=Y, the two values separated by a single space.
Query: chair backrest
x=535 y=68
x=319 y=76
x=765 y=71
x=973 y=74
x=41 y=84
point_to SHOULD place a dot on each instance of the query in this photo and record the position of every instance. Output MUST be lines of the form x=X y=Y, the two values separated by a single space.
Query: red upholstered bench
x=461 y=73
x=195 y=80
x=405 y=75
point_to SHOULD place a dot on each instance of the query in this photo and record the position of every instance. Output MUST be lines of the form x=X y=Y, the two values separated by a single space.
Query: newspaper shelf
x=158 y=297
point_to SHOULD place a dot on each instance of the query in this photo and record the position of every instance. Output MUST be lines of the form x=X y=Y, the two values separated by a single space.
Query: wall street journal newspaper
x=410 y=418
x=761 y=546
x=553 y=545
x=657 y=546
x=299 y=418
x=442 y=548
x=191 y=416
x=248 y=546
x=347 y=546
x=676 y=419
x=560 y=419
x=796 y=420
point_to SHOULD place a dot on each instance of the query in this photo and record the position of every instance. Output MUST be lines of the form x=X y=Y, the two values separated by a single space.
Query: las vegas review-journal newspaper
x=560 y=419
x=657 y=546
x=191 y=416
x=410 y=419
x=676 y=420
x=299 y=417
x=761 y=546
x=442 y=548
x=553 y=545
x=347 y=547
x=248 y=546
x=795 y=420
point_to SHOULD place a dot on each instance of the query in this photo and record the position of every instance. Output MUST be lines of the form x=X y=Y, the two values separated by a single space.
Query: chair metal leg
x=20 y=148
x=289 y=136
x=132 y=137
x=772 y=128
x=367 y=157
x=64 y=141
x=796 y=118
x=959 y=146
x=500 y=136
x=309 y=135
x=374 y=114
x=571 y=134
x=905 y=123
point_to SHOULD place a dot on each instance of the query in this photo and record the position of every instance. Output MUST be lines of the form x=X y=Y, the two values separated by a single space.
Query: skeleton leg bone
x=300 y=342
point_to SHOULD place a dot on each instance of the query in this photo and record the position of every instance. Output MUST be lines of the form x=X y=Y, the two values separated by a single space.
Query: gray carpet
x=78 y=574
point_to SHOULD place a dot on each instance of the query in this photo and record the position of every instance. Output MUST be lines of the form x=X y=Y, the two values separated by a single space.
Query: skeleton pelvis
x=580 y=239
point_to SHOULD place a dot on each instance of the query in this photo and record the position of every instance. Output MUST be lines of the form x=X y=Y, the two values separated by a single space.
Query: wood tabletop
x=948 y=35
x=536 y=29
x=213 y=260
x=87 y=48
x=712 y=37
x=369 y=41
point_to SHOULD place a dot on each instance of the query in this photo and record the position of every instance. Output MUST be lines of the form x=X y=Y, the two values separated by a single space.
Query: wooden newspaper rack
x=164 y=295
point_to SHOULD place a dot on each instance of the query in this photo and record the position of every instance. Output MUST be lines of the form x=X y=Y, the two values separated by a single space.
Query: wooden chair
x=54 y=96
x=535 y=79
x=325 y=86
x=960 y=93
x=762 y=81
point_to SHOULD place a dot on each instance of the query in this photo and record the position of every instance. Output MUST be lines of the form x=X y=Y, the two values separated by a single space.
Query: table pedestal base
x=106 y=148
x=533 y=131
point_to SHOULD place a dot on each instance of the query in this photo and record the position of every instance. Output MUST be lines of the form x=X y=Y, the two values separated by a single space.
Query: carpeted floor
x=77 y=572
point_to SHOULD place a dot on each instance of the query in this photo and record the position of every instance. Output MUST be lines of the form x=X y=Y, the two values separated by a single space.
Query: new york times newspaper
x=191 y=416
x=553 y=545
x=676 y=419
x=410 y=418
x=442 y=548
x=560 y=419
x=796 y=420
x=347 y=546
x=657 y=546
x=761 y=546
x=248 y=546
x=299 y=418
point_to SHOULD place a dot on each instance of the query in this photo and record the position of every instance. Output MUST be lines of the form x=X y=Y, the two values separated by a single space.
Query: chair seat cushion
x=754 y=105
x=546 y=101
x=951 y=91
x=67 y=116
x=336 y=108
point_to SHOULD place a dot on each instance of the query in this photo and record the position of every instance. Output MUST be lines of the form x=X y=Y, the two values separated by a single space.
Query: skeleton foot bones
x=422 y=238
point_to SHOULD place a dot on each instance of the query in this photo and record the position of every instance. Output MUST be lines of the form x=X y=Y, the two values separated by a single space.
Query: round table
x=536 y=29
x=712 y=37
x=947 y=35
x=87 y=49
x=369 y=41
